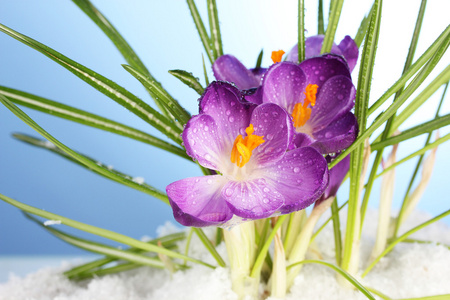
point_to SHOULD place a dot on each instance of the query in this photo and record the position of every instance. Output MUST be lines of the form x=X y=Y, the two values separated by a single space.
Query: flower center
x=277 y=55
x=243 y=147
x=302 y=112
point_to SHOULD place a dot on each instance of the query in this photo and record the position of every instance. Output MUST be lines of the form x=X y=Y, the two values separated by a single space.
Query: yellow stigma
x=302 y=112
x=243 y=147
x=277 y=55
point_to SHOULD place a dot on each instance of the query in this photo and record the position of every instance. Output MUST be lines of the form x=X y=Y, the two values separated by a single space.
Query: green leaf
x=120 y=238
x=425 y=57
x=403 y=237
x=76 y=115
x=188 y=79
x=167 y=241
x=214 y=27
x=320 y=25
x=259 y=60
x=337 y=231
x=105 y=86
x=257 y=266
x=427 y=92
x=413 y=132
x=418 y=152
x=342 y=272
x=96 y=247
x=206 y=41
x=209 y=246
x=121 y=44
x=205 y=73
x=301 y=31
x=416 y=82
x=356 y=159
x=104 y=171
x=362 y=30
x=332 y=26
x=119 y=176
x=172 y=105
x=326 y=222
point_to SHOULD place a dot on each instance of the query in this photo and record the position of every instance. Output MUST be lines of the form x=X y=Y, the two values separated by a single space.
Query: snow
x=410 y=270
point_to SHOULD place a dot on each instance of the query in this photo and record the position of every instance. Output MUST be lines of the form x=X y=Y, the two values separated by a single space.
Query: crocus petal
x=349 y=50
x=284 y=84
x=301 y=140
x=337 y=136
x=229 y=68
x=202 y=141
x=320 y=69
x=337 y=174
x=253 y=95
x=274 y=124
x=252 y=199
x=313 y=46
x=198 y=201
x=301 y=177
x=333 y=101
x=222 y=101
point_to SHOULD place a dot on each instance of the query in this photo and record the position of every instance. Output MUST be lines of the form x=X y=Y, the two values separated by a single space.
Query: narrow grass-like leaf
x=440 y=80
x=418 y=152
x=188 y=243
x=259 y=60
x=333 y=21
x=214 y=27
x=172 y=105
x=413 y=132
x=318 y=231
x=342 y=272
x=403 y=237
x=206 y=40
x=188 y=79
x=126 y=179
x=383 y=117
x=378 y=293
x=104 y=85
x=413 y=241
x=120 y=238
x=426 y=56
x=77 y=115
x=320 y=24
x=437 y=297
x=362 y=30
x=416 y=170
x=301 y=31
x=121 y=44
x=96 y=247
x=337 y=231
x=167 y=241
x=257 y=266
x=209 y=246
x=104 y=171
x=205 y=73
x=387 y=129
x=349 y=262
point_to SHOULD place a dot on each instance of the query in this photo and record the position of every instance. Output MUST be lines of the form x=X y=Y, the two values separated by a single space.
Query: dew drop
x=266 y=190
x=232 y=103
x=269 y=136
x=209 y=181
x=228 y=112
x=206 y=128
x=208 y=157
x=340 y=96
x=195 y=130
x=296 y=169
x=265 y=200
x=316 y=72
x=328 y=135
x=322 y=78
x=231 y=119
x=229 y=192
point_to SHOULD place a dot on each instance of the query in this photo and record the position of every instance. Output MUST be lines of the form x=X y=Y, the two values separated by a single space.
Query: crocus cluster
x=265 y=137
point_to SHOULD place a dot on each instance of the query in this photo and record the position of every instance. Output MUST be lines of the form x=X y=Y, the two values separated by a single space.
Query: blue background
x=164 y=36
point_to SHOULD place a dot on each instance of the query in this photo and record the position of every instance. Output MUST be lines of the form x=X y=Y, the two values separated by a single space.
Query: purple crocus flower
x=229 y=68
x=346 y=48
x=247 y=146
x=318 y=94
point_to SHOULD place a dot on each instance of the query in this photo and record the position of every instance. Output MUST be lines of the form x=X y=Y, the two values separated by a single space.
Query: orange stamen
x=302 y=112
x=277 y=55
x=243 y=147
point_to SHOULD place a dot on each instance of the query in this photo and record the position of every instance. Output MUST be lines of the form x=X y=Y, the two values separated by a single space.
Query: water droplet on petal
x=328 y=135
x=322 y=78
x=296 y=169
x=206 y=128
x=266 y=190
x=228 y=112
x=209 y=181
x=340 y=96
x=231 y=119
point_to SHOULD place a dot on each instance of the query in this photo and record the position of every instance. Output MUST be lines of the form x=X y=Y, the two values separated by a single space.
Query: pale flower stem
x=302 y=242
x=413 y=200
x=241 y=247
x=384 y=213
x=296 y=222
x=278 y=279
